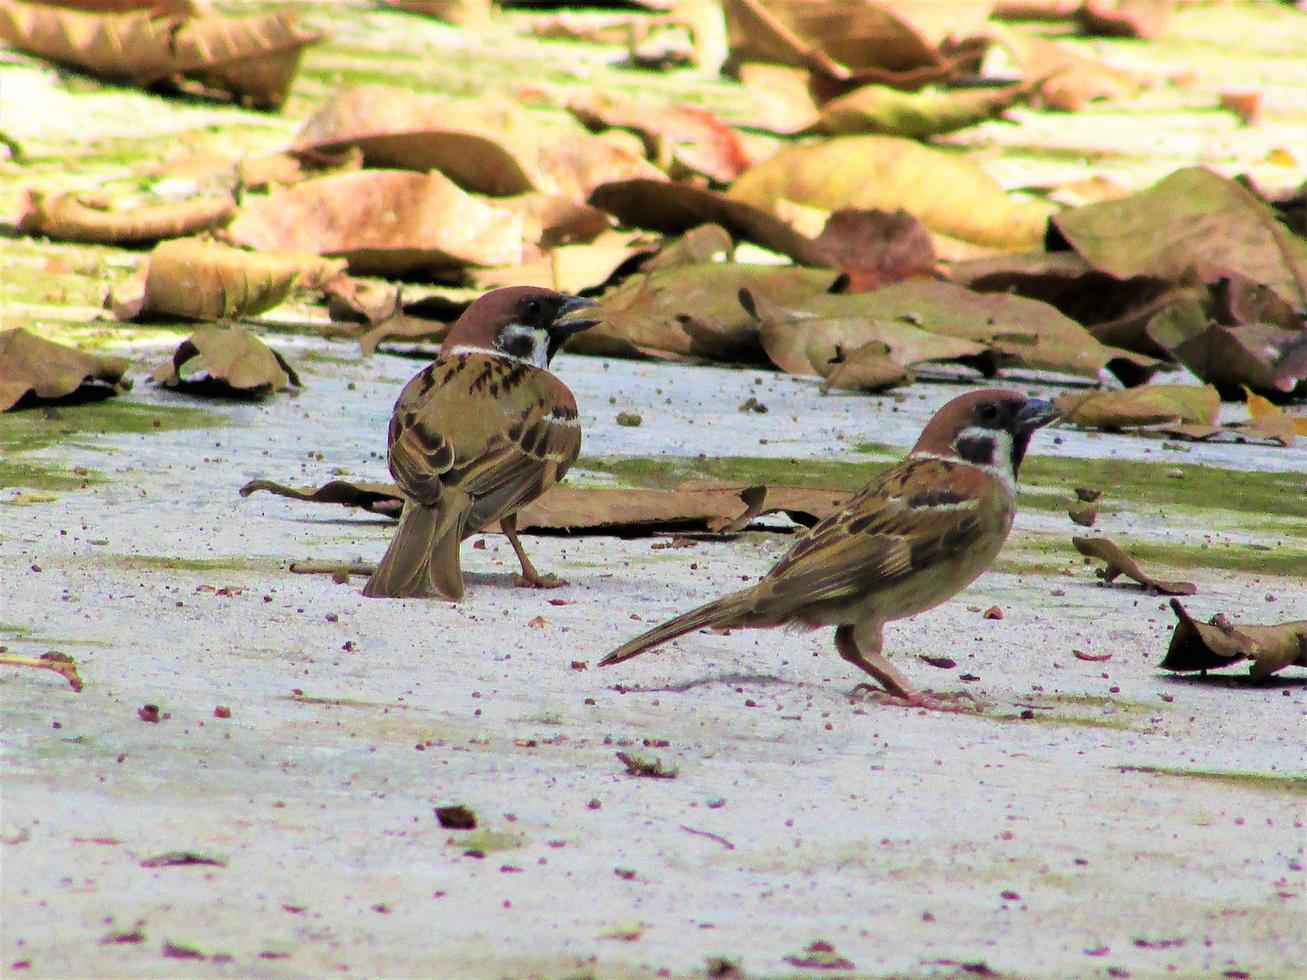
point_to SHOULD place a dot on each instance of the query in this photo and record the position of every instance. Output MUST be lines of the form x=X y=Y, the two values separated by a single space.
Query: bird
x=477 y=434
x=912 y=538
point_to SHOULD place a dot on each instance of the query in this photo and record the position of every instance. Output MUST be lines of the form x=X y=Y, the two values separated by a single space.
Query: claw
x=546 y=581
x=921 y=699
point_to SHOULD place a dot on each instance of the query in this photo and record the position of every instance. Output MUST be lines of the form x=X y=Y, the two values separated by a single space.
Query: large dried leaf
x=675 y=208
x=465 y=13
x=691 y=507
x=684 y=137
x=226 y=361
x=692 y=311
x=573 y=167
x=567 y=268
x=780 y=98
x=1221 y=643
x=947 y=193
x=1193 y=221
x=252 y=58
x=811 y=336
x=1119 y=563
x=841 y=38
x=65 y=217
x=1260 y=356
x=869 y=368
x=33 y=368
x=1142 y=406
x=1067 y=80
x=203 y=280
x=487 y=145
x=1125 y=18
x=384 y=222
x=917 y=115
x=1272 y=421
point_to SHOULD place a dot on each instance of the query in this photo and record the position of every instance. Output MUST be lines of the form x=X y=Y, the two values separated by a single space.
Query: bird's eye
x=988 y=412
x=533 y=307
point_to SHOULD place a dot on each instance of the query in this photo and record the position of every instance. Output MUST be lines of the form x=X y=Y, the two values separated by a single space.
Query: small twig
x=312 y=566
x=711 y=836
x=60 y=663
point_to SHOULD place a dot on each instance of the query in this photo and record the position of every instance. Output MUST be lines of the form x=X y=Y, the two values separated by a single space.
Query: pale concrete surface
x=895 y=835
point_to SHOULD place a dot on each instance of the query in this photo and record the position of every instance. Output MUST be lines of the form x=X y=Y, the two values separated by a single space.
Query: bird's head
x=527 y=323
x=990 y=427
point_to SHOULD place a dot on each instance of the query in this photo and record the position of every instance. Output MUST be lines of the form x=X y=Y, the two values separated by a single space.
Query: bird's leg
x=530 y=578
x=860 y=645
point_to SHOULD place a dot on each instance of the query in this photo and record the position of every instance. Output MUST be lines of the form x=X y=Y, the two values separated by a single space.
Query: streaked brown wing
x=521 y=467
x=879 y=538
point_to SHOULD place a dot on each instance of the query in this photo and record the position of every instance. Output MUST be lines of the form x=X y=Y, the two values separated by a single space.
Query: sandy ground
x=914 y=843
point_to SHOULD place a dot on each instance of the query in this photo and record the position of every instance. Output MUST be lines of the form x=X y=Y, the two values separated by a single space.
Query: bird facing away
x=912 y=538
x=476 y=435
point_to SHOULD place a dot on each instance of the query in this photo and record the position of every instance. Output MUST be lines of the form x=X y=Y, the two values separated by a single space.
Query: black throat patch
x=976 y=449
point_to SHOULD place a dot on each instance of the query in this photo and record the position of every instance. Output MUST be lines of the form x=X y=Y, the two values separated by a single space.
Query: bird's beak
x=570 y=318
x=1035 y=413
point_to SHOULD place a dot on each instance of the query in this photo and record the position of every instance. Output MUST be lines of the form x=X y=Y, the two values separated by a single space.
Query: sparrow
x=915 y=536
x=476 y=435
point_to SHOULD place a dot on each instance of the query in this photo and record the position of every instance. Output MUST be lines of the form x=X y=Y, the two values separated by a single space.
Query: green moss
x=485 y=842
x=1084 y=711
x=40 y=477
x=14 y=630
x=1273 y=782
x=174 y=563
x=38 y=428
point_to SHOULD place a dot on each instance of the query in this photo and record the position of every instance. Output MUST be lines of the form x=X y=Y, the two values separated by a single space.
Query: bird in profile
x=915 y=536
x=477 y=434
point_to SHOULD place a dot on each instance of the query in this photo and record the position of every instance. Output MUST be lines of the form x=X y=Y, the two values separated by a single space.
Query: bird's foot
x=962 y=701
x=538 y=581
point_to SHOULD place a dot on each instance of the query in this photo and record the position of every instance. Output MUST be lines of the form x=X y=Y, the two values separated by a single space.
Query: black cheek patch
x=977 y=449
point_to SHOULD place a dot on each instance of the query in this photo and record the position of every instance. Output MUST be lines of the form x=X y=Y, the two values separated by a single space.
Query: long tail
x=422 y=557
x=726 y=611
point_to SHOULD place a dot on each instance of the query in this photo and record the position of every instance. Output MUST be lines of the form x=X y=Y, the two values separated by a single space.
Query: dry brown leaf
x=573 y=167
x=877 y=248
x=1193 y=221
x=1035 y=9
x=203 y=280
x=682 y=138
x=809 y=337
x=843 y=39
x=1067 y=79
x=384 y=222
x=1142 y=406
x=1221 y=643
x=704 y=243
x=254 y=59
x=780 y=98
x=692 y=311
x=232 y=361
x=1119 y=563
x=567 y=268
x=376 y=498
x=33 y=369
x=1272 y=421
x=916 y=115
x=869 y=368
x=65 y=217
x=465 y=13
x=62 y=664
x=947 y=193
x=675 y=208
x=1125 y=18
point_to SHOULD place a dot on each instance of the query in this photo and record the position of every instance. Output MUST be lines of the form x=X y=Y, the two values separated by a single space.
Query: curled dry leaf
x=1067 y=79
x=254 y=59
x=1119 y=563
x=1191 y=221
x=868 y=368
x=203 y=280
x=854 y=40
x=385 y=222
x=916 y=115
x=233 y=362
x=692 y=311
x=949 y=194
x=1221 y=643
x=35 y=369
x=648 y=768
x=876 y=248
x=675 y=208
x=64 y=217
x=1270 y=420
x=62 y=664
x=684 y=137
x=1142 y=406
x=376 y=498
x=567 y=268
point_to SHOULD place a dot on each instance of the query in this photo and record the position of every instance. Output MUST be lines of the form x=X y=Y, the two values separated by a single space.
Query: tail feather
x=726 y=611
x=423 y=556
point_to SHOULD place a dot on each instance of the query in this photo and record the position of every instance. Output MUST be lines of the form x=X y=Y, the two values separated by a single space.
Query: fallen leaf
x=1096 y=658
x=60 y=663
x=376 y=498
x=676 y=208
x=692 y=311
x=949 y=194
x=1221 y=643
x=1270 y=420
x=877 y=248
x=1193 y=221
x=1142 y=406
x=384 y=222
x=204 y=280
x=820 y=955
x=683 y=138
x=1258 y=356
x=65 y=217
x=464 y=13
x=1083 y=515
x=172 y=859
x=33 y=369
x=1119 y=563
x=1069 y=81
x=456 y=817
x=568 y=268
x=780 y=100
x=233 y=362
x=916 y=115
x=253 y=59
x=867 y=368
x=649 y=768
x=1125 y=18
